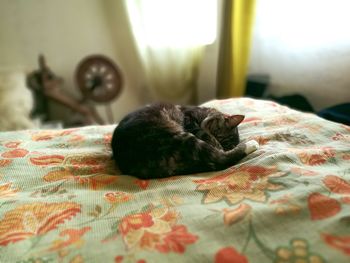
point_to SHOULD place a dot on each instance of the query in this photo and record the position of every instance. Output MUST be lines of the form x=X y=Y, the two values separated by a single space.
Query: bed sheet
x=63 y=200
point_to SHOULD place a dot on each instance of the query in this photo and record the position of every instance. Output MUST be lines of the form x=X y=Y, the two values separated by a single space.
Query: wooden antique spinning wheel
x=99 y=80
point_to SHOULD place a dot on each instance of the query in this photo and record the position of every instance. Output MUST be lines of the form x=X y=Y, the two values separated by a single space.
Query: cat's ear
x=234 y=120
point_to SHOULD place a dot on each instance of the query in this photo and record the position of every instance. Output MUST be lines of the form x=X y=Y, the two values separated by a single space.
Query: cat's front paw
x=251 y=146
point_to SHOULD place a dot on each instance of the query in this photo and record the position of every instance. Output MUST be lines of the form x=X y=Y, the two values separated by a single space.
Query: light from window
x=174 y=22
x=304 y=24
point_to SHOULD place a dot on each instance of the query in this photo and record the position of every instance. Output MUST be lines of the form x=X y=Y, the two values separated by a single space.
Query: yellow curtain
x=238 y=18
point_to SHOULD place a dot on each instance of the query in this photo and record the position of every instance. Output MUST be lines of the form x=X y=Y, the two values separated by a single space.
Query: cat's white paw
x=251 y=146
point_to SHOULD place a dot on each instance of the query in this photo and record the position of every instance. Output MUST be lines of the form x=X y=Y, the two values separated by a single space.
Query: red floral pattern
x=74 y=238
x=7 y=191
x=5 y=162
x=13 y=144
x=237 y=184
x=315 y=156
x=34 y=219
x=117 y=197
x=16 y=153
x=341 y=243
x=94 y=182
x=47 y=160
x=322 y=206
x=303 y=171
x=49 y=135
x=156 y=229
x=229 y=255
x=143 y=184
x=232 y=216
x=336 y=184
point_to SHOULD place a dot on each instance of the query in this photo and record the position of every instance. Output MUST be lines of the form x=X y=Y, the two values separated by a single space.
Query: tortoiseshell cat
x=163 y=139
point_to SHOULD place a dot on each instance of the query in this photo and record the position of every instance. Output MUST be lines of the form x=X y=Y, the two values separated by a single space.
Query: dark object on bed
x=257 y=88
x=257 y=85
x=338 y=113
x=294 y=101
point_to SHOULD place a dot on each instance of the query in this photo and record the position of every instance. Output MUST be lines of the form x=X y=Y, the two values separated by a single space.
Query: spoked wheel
x=99 y=80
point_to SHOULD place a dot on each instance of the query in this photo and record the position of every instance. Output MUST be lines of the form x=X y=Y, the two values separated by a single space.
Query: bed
x=62 y=199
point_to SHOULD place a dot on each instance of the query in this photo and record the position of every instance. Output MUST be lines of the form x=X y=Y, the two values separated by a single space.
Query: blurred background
x=84 y=62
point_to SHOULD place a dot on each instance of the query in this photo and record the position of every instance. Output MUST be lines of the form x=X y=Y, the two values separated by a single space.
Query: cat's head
x=224 y=128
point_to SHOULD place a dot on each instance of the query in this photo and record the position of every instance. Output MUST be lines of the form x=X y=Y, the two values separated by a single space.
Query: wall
x=308 y=58
x=305 y=47
x=67 y=31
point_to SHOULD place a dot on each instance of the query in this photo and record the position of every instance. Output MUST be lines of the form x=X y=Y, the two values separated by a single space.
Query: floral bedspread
x=63 y=200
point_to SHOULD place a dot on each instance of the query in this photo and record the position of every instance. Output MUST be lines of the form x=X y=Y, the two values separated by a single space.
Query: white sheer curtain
x=171 y=36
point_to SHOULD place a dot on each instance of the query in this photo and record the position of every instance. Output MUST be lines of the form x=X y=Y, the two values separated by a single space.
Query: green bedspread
x=63 y=200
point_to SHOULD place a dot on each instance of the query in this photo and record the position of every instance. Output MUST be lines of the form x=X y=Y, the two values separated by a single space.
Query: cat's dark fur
x=163 y=139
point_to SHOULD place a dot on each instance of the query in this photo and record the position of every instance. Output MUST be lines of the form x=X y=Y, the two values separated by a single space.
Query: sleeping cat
x=163 y=139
